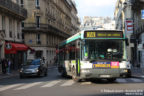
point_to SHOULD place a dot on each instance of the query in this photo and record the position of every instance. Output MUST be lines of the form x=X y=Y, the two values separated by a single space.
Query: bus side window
x=72 y=55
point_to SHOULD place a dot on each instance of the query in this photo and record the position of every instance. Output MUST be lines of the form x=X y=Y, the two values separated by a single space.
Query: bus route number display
x=103 y=35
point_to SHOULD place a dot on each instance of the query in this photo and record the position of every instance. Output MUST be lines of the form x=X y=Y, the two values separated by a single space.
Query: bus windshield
x=104 y=50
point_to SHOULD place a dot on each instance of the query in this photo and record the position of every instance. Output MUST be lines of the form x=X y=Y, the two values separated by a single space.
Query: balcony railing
x=45 y=27
x=13 y=7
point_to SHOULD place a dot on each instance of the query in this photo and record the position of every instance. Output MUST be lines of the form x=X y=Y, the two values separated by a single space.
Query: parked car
x=35 y=67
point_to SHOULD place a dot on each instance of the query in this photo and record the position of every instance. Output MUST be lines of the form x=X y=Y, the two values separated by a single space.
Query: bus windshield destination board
x=97 y=34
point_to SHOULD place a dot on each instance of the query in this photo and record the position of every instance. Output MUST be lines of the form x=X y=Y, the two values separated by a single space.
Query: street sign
x=142 y=14
x=129 y=26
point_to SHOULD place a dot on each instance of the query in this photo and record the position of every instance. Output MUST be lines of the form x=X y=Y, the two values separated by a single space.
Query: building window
x=18 y=35
x=37 y=4
x=3 y=22
x=37 y=21
x=21 y=3
x=38 y=54
x=18 y=30
x=10 y=28
x=22 y=24
x=17 y=1
x=38 y=39
x=47 y=39
x=23 y=36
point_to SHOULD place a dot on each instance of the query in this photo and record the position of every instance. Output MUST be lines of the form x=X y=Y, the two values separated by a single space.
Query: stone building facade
x=11 y=15
x=131 y=10
x=123 y=12
x=138 y=8
x=48 y=23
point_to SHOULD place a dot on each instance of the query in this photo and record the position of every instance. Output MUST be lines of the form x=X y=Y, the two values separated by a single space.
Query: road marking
x=68 y=83
x=136 y=80
x=121 y=80
x=9 y=87
x=86 y=83
x=28 y=86
x=52 y=83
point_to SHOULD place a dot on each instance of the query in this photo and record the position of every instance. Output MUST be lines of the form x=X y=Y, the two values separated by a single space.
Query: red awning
x=12 y=48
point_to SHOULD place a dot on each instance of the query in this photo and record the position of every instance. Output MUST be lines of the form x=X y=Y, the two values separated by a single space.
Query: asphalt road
x=55 y=85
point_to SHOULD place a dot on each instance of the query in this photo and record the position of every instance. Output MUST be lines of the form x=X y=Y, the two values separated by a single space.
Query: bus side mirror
x=127 y=43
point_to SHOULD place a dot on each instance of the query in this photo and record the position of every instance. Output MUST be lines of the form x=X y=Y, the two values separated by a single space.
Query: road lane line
x=136 y=80
x=9 y=87
x=121 y=80
x=52 y=83
x=68 y=83
x=28 y=86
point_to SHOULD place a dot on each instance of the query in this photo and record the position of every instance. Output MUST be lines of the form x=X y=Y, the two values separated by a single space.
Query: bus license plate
x=105 y=76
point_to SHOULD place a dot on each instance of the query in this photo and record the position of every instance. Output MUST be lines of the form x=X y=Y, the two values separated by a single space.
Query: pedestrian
x=9 y=66
x=4 y=66
x=43 y=59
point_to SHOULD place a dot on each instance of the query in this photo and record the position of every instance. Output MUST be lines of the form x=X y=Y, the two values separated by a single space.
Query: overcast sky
x=95 y=8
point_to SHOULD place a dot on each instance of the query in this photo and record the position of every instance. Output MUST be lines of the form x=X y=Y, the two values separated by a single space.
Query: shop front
x=17 y=53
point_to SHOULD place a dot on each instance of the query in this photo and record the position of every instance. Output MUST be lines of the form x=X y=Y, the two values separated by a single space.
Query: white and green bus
x=94 y=54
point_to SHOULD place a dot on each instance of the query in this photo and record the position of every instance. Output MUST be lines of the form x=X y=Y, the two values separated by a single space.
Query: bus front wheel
x=74 y=76
x=111 y=79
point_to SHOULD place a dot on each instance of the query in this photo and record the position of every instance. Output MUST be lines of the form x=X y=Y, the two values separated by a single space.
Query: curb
x=140 y=76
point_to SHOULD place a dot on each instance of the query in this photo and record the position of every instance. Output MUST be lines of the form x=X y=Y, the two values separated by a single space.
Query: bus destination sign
x=103 y=34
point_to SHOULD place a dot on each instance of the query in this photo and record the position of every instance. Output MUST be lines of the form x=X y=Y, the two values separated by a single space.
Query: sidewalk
x=137 y=72
x=12 y=74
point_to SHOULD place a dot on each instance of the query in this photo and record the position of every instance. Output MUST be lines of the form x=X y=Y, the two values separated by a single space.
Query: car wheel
x=63 y=73
x=111 y=79
x=38 y=74
x=21 y=76
x=45 y=74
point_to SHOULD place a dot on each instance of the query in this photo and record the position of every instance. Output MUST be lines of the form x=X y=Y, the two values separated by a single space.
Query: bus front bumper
x=102 y=73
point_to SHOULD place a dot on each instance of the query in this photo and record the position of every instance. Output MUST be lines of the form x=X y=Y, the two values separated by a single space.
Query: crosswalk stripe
x=86 y=83
x=121 y=80
x=9 y=87
x=28 y=86
x=52 y=83
x=136 y=80
x=68 y=83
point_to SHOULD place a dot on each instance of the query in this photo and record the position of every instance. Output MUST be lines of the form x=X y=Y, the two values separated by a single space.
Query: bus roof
x=95 y=34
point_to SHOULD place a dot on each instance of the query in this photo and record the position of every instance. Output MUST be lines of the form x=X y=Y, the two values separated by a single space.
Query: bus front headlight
x=21 y=70
x=85 y=71
x=124 y=71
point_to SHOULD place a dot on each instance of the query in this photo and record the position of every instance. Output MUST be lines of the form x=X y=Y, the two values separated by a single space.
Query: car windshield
x=34 y=62
x=104 y=50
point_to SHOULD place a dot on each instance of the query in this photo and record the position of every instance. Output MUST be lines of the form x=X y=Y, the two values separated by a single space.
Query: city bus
x=94 y=54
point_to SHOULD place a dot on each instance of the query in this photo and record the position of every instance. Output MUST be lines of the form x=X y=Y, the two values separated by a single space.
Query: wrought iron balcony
x=11 y=7
x=44 y=28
